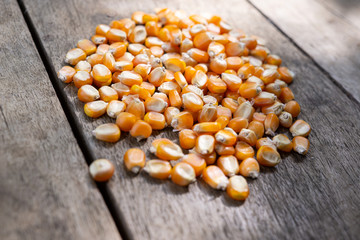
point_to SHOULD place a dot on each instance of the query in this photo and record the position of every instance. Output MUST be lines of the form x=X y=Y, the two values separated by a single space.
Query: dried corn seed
x=237 y=188
x=114 y=108
x=268 y=156
x=229 y=165
x=95 y=109
x=215 y=177
x=282 y=142
x=183 y=174
x=249 y=167
x=197 y=162
x=158 y=169
x=88 y=93
x=134 y=160
x=108 y=132
x=101 y=170
x=205 y=144
x=300 y=128
x=301 y=144
x=141 y=130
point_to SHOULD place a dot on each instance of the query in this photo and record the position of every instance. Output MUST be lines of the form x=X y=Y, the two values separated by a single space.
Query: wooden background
x=46 y=142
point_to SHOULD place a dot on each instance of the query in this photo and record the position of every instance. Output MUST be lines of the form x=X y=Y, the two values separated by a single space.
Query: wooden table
x=46 y=142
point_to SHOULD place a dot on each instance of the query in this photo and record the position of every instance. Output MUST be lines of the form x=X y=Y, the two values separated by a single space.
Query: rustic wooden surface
x=330 y=39
x=312 y=197
x=45 y=190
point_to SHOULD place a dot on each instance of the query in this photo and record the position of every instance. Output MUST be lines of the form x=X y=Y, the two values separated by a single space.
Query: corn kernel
x=101 y=170
x=108 y=132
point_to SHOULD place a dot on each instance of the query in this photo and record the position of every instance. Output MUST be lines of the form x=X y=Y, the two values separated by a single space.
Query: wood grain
x=45 y=188
x=329 y=39
x=312 y=197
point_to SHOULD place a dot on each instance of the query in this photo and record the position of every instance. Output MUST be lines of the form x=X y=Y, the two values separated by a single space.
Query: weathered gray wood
x=312 y=197
x=330 y=40
x=345 y=9
x=45 y=188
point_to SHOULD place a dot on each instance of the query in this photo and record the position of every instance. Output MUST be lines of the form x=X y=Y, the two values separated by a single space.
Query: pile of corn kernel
x=220 y=88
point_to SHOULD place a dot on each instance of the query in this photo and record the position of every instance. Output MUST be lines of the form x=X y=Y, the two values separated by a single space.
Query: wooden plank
x=330 y=40
x=45 y=188
x=312 y=197
x=345 y=9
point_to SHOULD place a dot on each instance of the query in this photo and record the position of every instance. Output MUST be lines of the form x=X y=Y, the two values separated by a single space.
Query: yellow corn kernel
x=141 y=130
x=101 y=73
x=102 y=29
x=137 y=17
x=166 y=150
x=300 y=128
x=268 y=156
x=246 y=71
x=109 y=61
x=88 y=93
x=83 y=66
x=116 y=35
x=283 y=143
x=117 y=49
x=199 y=79
x=285 y=119
x=187 y=138
x=301 y=144
x=94 y=59
x=245 y=110
x=156 y=120
x=140 y=91
x=114 y=108
x=285 y=74
x=124 y=66
x=243 y=151
x=87 y=46
x=232 y=81
x=226 y=136
x=286 y=95
x=238 y=188
x=218 y=64
x=102 y=49
x=257 y=128
x=269 y=76
x=180 y=79
x=183 y=174
x=125 y=121
x=215 y=177
x=216 y=85
x=167 y=86
x=271 y=124
x=129 y=78
x=234 y=63
x=277 y=108
x=222 y=149
x=101 y=170
x=293 y=108
x=208 y=113
x=121 y=89
x=158 y=169
x=182 y=120
x=175 y=65
x=82 y=78
x=207 y=127
x=169 y=114
x=137 y=35
x=215 y=49
x=193 y=89
x=249 y=90
x=230 y=104
x=264 y=99
x=229 y=165
x=134 y=160
x=157 y=76
x=66 y=74
x=108 y=132
x=238 y=123
x=141 y=58
x=235 y=49
x=198 y=55
x=137 y=108
x=249 y=168
x=74 y=56
x=205 y=144
x=95 y=109
x=154 y=104
x=98 y=39
x=273 y=88
x=175 y=99
x=248 y=136
x=197 y=162
x=265 y=141
x=108 y=94
x=192 y=102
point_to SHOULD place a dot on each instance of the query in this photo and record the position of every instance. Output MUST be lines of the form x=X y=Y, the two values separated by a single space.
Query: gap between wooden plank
x=323 y=70
x=70 y=115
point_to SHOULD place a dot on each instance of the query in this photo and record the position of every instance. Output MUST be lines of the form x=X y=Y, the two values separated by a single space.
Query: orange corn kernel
x=166 y=150
x=235 y=49
x=175 y=99
x=234 y=63
x=114 y=108
x=264 y=99
x=137 y=17
x=101 y=73
x=232 y=81
x=230 y=104
x=183 y=174
x=243 y=151
x=205 y=144
x=87 y=46
x=226 y=137
x=74 y=56
x=229 y=165
x=293 y=108
x=248 y=136
x=129 y=78
x=245 y=110
x=169 y=113
x=300 y=128
x=206 y=127
x=271 y=124
x=249 y=168
x=285 y=119
x=202 y=40
x=102 y=49
x=215 y=177
x=117 y=49
x=187 y=138
x=83 y=66
x=222 y=149
x=260 y=117
x=134 y=160
x=125 y=121
x=192 y=102
x=95 y=59
x=99 y=84
x=156 y=51
x=98 y=39
x=286 y=95
x=199 y=79
x=158 y=169
x=95 y=109
x=82 y=78
x=108 y=132
x=155 y=104
x=182 y=120
x=277 y=108
x=216 y=85
x=152 y=28
x=257 y=127
x=273 y=59
x=223 y=111
x=101 y=170
x=207 y=114
x=268 y=156
x=137 y=35
x=218 y=64
x=102 y=29
x=283 y=143
x=198 y=55
x=157 y=76
x=66 y=74
x=108 y=94
x=141 y=130
x=249 y=90
x=273 y=88
x=88 y=93
x=301 y=144
x=123 y=66
x=215 y=49
x=285 y=74
x=180 y=79
x=238 y=123
x=136 y=107
x=156 y=120
x=246 y=71
x=197 y=162
x=175 y=65
x=121 y=89
x=223 y=121
x=238 y=188
x=265 y=141
x=140 y=91
x=269 y=76
x=115 y=35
